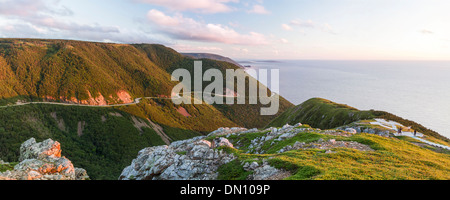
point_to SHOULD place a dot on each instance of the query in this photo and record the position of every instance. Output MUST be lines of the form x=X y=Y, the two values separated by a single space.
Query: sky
x=245 y=29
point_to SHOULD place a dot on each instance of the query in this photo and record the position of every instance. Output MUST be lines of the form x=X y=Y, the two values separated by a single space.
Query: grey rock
x=32 y=150
x=264 y=172
x=43 y=161
x=298 y=125
x=200 y=162
x=351 y=130
x=223 y=142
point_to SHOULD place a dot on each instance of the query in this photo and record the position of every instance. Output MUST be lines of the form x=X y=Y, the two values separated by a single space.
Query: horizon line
x=236 y=59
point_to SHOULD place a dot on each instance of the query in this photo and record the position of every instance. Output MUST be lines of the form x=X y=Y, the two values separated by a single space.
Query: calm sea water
x=415 y=90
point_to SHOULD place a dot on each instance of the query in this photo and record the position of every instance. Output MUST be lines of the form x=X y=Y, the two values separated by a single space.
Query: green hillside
x=321 y=113
x=101 y=73
x=102 y=139
x=72 y=69
x=247 y=115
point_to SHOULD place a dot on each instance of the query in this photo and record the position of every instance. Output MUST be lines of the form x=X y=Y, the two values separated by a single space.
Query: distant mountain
x=211 y=57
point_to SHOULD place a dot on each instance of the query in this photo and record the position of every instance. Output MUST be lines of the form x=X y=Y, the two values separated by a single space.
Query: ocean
x=414 y=90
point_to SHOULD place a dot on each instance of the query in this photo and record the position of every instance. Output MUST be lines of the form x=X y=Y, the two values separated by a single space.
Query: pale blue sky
x=257 y=29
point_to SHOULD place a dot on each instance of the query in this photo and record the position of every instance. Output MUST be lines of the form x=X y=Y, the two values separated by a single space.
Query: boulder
x=351 y=130
x=43 y=161
x=32 y=150
x=264 y=172
x=227 y=131
x=199 y=161
x=223 y=142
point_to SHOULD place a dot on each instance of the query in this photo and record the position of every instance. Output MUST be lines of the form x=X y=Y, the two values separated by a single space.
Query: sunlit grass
x=393 y=159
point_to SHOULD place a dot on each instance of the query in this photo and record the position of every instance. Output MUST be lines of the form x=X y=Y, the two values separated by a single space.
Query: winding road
x=159 y=130
x=394 y=126
x=136 y=101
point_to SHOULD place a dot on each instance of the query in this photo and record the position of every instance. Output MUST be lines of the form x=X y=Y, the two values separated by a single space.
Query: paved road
x=136 y=101
x=393 y=126
x=430 y=143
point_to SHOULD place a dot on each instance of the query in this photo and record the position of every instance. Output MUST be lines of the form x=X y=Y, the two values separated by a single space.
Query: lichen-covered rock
x=265 y=172
x=81 y=174
x=351 y=130
x=223 y=142
x=43 y=161
x=32 y=150
x=326 y=145
x=227 y=131
x=194 y=159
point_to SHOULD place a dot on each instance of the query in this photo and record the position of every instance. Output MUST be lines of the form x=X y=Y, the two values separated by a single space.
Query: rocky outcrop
x=194 y=159
x=200 y=159
x=327 y=145
x=197 y=159
x=43 y=161
x=264 y=171
x=230 y=131
x=363 y=129
x=274 y=134
x=32 y=150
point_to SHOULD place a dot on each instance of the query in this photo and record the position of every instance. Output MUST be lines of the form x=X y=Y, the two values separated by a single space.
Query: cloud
x=45 y=15
x=201 y=6
x=43 y=19
x=241 y=50
x=302 y=23
x=189 y=48
x=21 y=7
x=259 y=9
x=286 y=27
x=25 y=8
x=308 y=24
x=52 y=23
x=179 y=27
x=284 y=41
x=327 y=28
x=426 y=31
